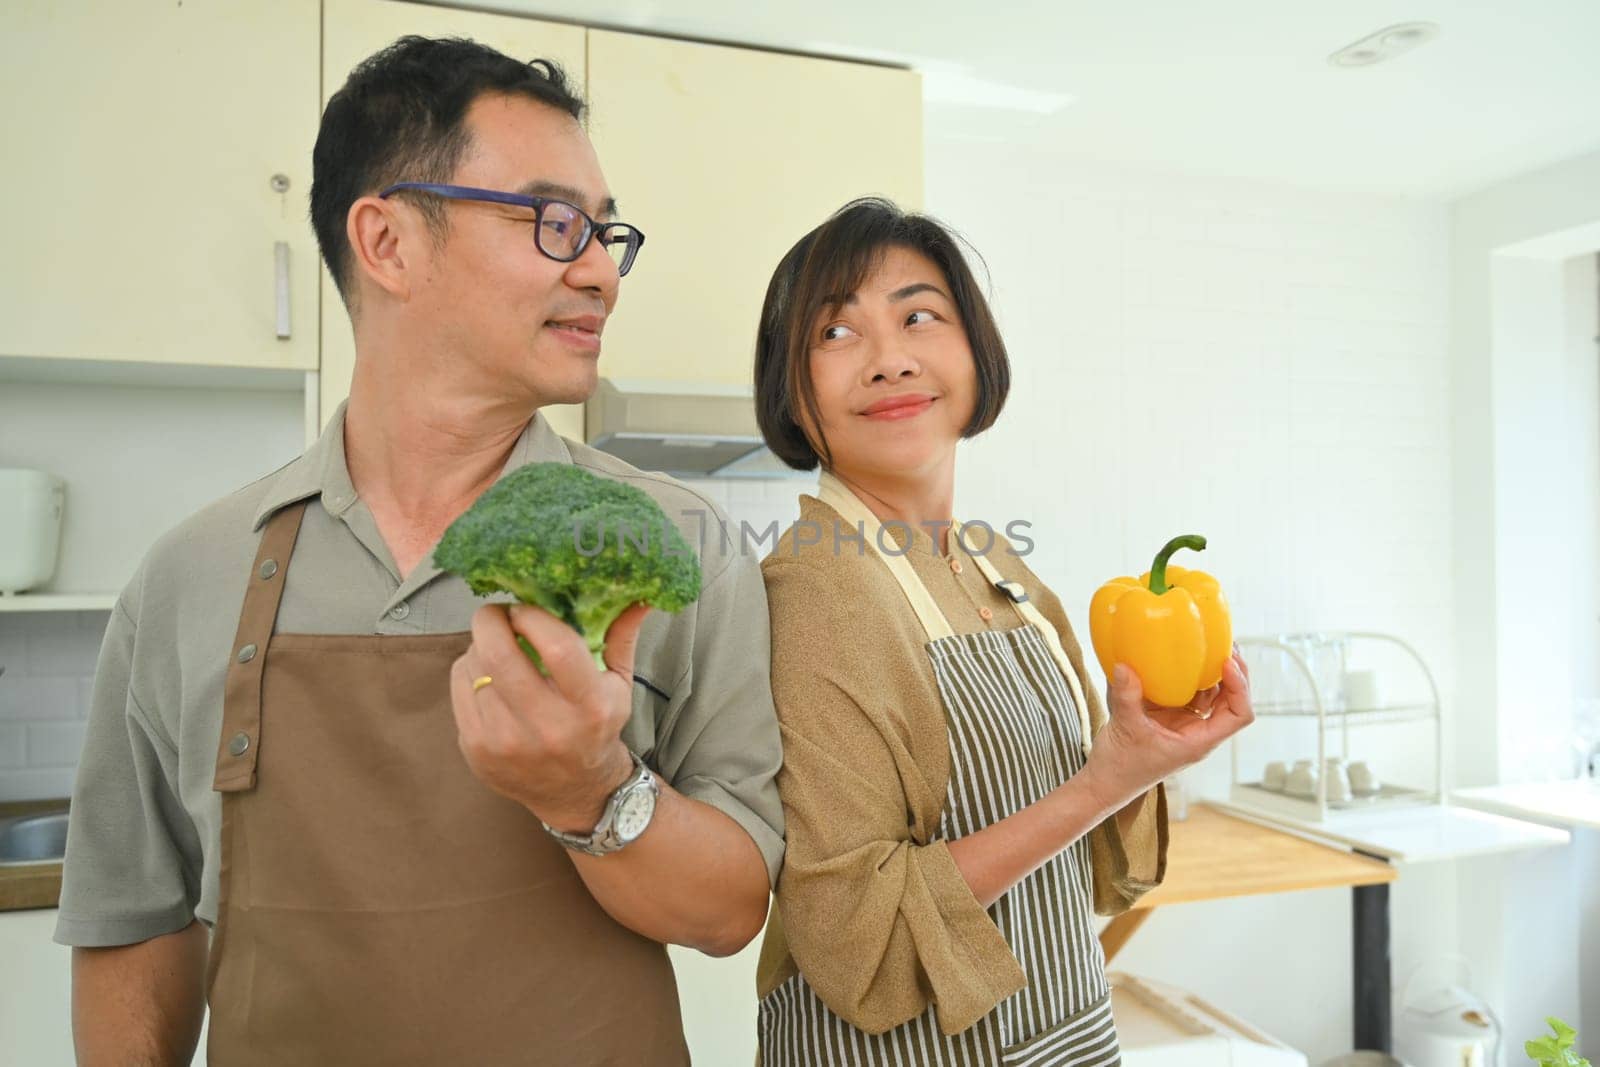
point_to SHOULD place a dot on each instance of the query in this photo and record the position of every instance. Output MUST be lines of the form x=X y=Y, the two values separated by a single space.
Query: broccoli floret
x=580 y=546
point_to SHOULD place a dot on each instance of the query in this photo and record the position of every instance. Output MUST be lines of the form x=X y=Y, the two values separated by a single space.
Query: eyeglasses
x=561 y=230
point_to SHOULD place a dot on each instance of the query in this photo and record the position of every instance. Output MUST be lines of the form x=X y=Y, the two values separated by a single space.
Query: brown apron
x=379 y=904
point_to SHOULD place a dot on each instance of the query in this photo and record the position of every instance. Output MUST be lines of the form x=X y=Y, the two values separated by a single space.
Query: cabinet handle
x=280 y=256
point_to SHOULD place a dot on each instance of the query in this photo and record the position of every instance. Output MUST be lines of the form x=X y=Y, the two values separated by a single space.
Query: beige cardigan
x=870 y=904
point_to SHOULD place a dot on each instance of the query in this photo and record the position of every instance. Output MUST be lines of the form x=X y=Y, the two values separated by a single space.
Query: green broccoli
x=580 y=546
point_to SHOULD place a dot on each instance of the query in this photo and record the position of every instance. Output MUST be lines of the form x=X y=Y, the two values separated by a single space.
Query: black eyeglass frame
x=607 y=232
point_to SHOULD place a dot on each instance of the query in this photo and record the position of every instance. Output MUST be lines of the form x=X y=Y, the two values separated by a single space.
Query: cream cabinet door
x=352 y=30
x=157 y=163
x=725 y=157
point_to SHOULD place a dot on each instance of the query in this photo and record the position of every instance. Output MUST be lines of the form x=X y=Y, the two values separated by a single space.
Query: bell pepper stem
x=1158 y=569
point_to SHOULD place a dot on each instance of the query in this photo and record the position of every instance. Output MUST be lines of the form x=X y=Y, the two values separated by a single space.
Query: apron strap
x=1034 y=617
x=241 y=700
x=834 y=493
x=837 y=495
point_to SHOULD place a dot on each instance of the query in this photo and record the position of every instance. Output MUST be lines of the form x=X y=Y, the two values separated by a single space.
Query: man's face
x=495 y=307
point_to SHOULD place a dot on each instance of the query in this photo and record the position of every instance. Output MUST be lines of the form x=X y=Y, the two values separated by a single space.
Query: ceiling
x=1228 y=87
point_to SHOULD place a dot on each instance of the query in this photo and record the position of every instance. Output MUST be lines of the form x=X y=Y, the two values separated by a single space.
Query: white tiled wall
x=1266 y=367
x=49 y=660
x=759 y=504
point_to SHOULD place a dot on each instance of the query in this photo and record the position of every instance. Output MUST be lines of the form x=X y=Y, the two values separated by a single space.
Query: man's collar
x=322 y=470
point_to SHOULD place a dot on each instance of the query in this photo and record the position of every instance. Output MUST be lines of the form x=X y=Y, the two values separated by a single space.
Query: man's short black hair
x=401 y=116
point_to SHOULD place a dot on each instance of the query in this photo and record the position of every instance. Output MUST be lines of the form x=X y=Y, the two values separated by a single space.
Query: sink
x=33 y=839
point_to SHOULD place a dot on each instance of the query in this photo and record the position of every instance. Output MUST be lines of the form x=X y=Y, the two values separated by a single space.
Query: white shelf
x=1419 y=834
x=136 y=374
x=1357 y=716
x=1574 y=803
x=58 y=602
x=1304 y=809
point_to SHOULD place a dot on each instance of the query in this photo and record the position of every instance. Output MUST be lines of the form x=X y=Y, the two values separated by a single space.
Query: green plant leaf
x=1555 y=1051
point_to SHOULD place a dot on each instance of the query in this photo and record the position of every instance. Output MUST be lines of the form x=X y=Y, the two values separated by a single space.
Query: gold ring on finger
x=481 y=681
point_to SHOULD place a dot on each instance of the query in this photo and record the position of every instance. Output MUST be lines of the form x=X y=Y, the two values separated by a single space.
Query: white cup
x=1273 y=778
x=1338 y=780
x=1361 y=690
x=1363 y=782
x=1302 y=780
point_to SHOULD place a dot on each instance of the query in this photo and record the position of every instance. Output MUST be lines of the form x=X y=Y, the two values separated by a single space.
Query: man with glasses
x=319 y=774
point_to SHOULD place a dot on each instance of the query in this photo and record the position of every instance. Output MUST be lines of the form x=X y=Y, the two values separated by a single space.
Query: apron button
x=400 y=611
x=955 y=565
x=239 y=744
x=247 y=653
x=985 y=614
x=268 y=569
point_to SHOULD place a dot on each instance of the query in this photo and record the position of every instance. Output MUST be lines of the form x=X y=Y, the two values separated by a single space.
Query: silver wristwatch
x=627 y=814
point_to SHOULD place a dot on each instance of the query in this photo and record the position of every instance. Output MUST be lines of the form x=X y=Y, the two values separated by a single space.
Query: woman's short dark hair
x=401 y=116
x=813 y=279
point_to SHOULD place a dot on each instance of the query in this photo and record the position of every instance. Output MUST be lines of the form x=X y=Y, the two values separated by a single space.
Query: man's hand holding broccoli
x=587 y=557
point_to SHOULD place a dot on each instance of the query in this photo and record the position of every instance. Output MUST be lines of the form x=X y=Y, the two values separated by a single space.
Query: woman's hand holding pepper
x=1143 y=743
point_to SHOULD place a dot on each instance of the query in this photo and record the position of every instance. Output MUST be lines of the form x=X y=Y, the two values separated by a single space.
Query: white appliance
x=1445 y=1025
x=692 y=430
x=1163 y=1026
x=31 y=503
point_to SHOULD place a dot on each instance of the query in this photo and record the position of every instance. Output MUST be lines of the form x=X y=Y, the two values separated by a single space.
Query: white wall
x=1260 y=365
x=1545 y=421
x=1507 y=231
x=1582 y=374
x=1525 y=442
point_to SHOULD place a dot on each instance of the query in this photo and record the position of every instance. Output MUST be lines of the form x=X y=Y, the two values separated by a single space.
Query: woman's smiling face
x=892 y=371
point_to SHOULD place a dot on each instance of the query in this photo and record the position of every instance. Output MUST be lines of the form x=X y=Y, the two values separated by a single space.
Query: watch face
x=633 y=814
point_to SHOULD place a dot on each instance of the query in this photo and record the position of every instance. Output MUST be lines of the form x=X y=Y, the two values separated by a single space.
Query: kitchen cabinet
x=35 y=991
x=158 y=157
x=725 y=157
x=354 y=30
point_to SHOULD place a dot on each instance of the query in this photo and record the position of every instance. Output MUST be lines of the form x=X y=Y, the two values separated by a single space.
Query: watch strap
x=603 y=840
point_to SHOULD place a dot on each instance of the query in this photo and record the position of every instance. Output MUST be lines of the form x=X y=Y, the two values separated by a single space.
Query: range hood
x=686 y=429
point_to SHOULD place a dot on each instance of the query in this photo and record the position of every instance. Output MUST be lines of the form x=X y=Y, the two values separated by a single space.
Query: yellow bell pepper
x=1170 y=625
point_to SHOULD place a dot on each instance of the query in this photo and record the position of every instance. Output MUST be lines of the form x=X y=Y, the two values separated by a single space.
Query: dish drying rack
x=1332 y=716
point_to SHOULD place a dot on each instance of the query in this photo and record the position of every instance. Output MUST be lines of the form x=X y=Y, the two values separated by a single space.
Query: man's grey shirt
x=143 y=847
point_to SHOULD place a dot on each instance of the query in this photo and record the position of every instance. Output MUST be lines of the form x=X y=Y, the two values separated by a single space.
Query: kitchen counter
x=33 y=885
x=1426 y=833
x=1574 y=803
x=1213 y=856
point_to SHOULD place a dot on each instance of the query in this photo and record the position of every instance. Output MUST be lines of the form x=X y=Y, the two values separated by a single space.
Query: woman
x=956 y=813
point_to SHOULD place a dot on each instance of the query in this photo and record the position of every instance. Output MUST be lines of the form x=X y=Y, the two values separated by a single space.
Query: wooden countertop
x=36 y=885
x=1211 y=855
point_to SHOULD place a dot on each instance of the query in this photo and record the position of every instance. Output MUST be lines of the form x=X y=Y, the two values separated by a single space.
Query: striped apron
x=1018 y=729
